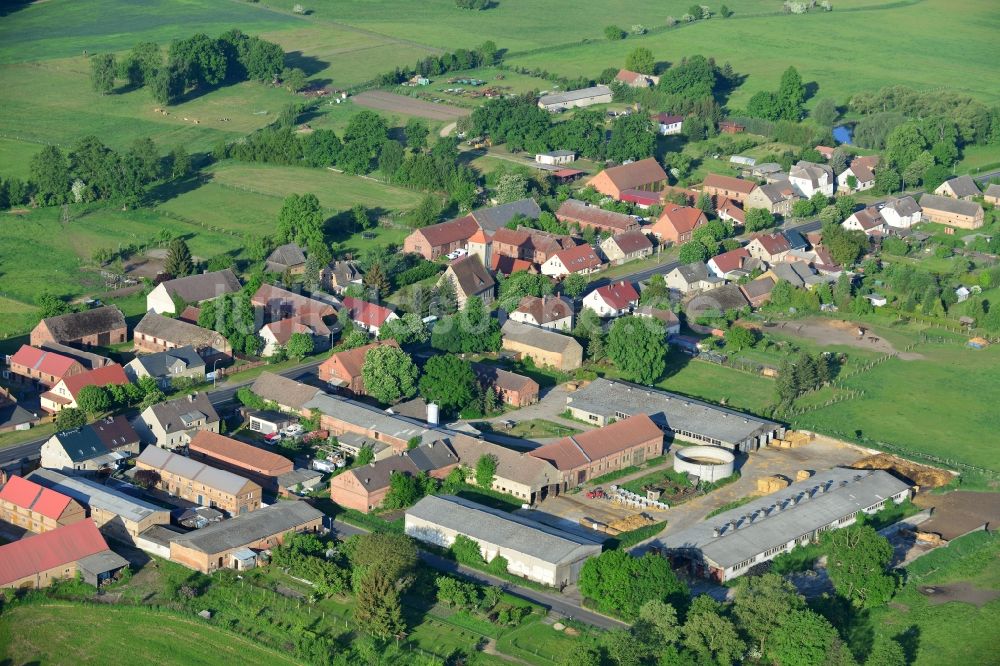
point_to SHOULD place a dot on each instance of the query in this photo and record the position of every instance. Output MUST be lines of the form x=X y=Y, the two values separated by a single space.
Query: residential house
x=246 y=460
x=277 y=333
x=869 y=220
x=531 y=549
x=960 y=187
x=688 y=278
x=192 y=289
x=343 y=369
x=626 y=246
x=368 y=316
x=339 y=275
x=720 y=186
x=798 y=274
x=630 y=441
x=573 y=99
x=470 y=278
x=276 y=304
x=197 y=482
x=667 y=124
x=758 y=291
x=825 y=151
x=992 y=194
x=552 y=312
x=768 y=247
x=581 y=259
x=235 y=543
x=66 y=392
x=364 y=488
x=530 y=245
x=777 y=198
x=731 y=212
x=644 y=175
x=26 y=504
x=509 y=387
x=288 y=258
x=796 y=241
x=677 y=224
x=494 y=218
x=612 y=300
x=156 y=333
x=441 y=239
x=734 y=264
x=669 y=320
x=952 y=212
x=288 y=394
x=863 y=176
x=60 y=554
x=730 y=127
x=555 y=157
x=583 y=215
x=636 y=79
x=166 y=366
x=171 y=424
x=808 y=178
x=45 y=367
x=900 y=212
x=716 y=301
x=98 y=446
x=542 y=346
x=101 y=327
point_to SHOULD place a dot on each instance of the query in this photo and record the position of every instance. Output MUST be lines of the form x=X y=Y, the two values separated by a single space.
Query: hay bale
x=771 y=484
x=921 y=475
x=803 y=474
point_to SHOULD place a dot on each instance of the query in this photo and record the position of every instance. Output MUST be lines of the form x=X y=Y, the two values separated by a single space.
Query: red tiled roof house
x=37 y=509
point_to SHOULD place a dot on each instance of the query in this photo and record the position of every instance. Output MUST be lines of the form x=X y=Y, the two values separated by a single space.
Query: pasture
x=167 y=638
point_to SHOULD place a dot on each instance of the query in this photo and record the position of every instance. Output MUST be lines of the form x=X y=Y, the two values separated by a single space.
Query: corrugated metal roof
x=249 y=527
x=94 y=495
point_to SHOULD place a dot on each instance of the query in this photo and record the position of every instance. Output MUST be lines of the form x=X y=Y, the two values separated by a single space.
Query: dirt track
x=970 y=594
x=385 y=101
x=838 y=332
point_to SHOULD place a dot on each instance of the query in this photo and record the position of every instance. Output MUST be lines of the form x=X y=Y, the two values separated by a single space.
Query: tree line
x=484 y=55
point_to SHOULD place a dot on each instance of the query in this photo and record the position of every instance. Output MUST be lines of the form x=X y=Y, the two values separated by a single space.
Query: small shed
x=268 y=421
x=244 y=558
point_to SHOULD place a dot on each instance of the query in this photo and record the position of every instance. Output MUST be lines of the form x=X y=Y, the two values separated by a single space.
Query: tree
x=887 y=181
x=300 y=220
x=390 y=158
x=407 y=329
x=146 y=478
x=391 y=553
x=180 y=163
x=857 y=561
x=712 y=636
x=802 y=638
x=94 y=400
x=636 y=346
x=294 y=79
x=757 y=219
x=632 y=138
x=486 y=469
x=365 y=133
x=416 y=134
x=693 y=251
x=739 y=338
x=641 y=60
x=764 y=104
x=614 y=33
x=365 y=455
x=404 y=491
x=574 y=284
x=426 y=212
x=299 y=346
x=802 y=208
x=103 y=70
x=71 y=418
x=763 y=604
x=791 y=94
x=389 y=374
x=885 y=652
x=725 y=12
x=142 y=64
x=50 y=175
x=178 y=262
x=448 y=381
x=511 y=186
x=377 y=607
x=621 y=584
x=826 y=112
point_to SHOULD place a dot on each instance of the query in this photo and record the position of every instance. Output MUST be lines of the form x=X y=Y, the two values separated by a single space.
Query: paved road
x=565 y=606
x=218 y=397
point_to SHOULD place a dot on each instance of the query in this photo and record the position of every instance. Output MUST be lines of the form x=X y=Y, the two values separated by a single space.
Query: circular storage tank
x=708 y=463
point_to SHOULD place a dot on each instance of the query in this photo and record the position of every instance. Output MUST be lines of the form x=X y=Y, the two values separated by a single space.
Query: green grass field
x=63 y=633
x=708 y=381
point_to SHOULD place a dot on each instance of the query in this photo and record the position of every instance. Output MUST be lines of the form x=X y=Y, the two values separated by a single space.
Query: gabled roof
x=204 y=286
x=178 y=332
x=579 y=258
x=239 y=453
x=810 y=171
x=573 y=95
x=192 y=470
x=449 y=232
x=618 y=295
x=50 y=550
x=861 y=171
x=586 y=447
x=726 y=297
x=352 y=360
x=500 y=263
x=109 y=374
x=162 y=363
x=668 y=119
x=795 y=239
x=579 y=211
x=279 y=303
x=81 y=444
x=731 y=260
x=283 y=329
x=772 y=243
x=285 y=257
x=992 y=190
x=42 y=361
x=666 y=316
x=540 y=338
x=869 y=218
x=906 y=206
x=870 y=162
x=504 y=379
x=114 y=431
x=29 y=495
x=949 y=205
x=694 y=271
x=94 y=495
x=730 y=208
x=492 y=219
x=631 y=241
x=367 y=313
x=545 y=309
x=177 y=414
x=282 y=390
x=682 y=218
x=963 y=186
x=778 y=191
x=754 y=289
x=728 y=183
x=628 y=76
x=76 y=325
x=249 y=528
x=471 y=275
x=635 y=175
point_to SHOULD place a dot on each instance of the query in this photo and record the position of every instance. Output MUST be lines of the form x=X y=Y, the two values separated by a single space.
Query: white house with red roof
x=667 y=124
x=869 y=220
x=612 y=300
x=581 y=259
x=636 y=79
x=369 y=316
x=725 y=264
x=66 y=392
x=730 y=211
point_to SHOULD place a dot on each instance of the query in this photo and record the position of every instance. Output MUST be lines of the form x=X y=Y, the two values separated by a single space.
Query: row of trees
x=485 y=55
x=785 y=104
x=198 y=62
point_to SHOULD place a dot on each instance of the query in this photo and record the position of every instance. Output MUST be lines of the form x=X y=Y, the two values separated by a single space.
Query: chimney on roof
x=190 y=397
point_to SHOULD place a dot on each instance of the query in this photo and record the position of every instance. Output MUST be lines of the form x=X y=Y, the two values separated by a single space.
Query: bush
x=614 y=33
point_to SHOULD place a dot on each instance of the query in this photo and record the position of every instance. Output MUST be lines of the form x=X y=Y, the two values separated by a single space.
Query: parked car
x=293 y=430
x=273 y=437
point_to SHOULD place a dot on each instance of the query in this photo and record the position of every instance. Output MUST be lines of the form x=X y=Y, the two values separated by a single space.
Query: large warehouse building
x=535 y=551
x=684 y=418
x=729 y=544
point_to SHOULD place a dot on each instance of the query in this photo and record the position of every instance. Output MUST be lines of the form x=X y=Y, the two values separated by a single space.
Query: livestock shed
x=532 y=550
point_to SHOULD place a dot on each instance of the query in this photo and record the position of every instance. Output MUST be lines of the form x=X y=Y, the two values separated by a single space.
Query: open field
x=56 y=629
x=708 y=381
x=386 y=101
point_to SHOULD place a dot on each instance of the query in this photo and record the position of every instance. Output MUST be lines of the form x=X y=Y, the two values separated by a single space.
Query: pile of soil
x=921 y=475
x=966 y=592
